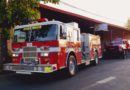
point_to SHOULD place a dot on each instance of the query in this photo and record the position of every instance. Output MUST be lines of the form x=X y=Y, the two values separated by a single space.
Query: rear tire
x=96 y=59
x=124 y=55
x=71 y=66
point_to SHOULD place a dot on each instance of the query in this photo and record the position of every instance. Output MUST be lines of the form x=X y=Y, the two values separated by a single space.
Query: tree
x=128 y=24
x=13 y=12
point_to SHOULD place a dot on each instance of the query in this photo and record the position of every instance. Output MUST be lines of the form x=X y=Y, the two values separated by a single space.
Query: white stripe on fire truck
x=51 y=49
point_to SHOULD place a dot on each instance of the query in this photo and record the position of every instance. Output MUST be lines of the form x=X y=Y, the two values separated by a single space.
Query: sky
x=114 y=11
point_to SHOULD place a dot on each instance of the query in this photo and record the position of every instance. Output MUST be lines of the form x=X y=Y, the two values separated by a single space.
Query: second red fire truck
x=49 y=46
x=117 y=48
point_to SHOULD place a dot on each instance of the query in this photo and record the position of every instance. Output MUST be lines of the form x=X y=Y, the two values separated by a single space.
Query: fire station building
x=86 y=23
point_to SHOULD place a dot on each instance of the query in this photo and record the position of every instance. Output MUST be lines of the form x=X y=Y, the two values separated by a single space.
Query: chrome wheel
x=72 y=67
x=96 y=59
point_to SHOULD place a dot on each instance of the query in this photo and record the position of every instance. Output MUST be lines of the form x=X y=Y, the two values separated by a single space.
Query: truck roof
x=37 y=24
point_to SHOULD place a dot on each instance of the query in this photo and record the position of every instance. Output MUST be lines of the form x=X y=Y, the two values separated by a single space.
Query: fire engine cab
x=49 y=46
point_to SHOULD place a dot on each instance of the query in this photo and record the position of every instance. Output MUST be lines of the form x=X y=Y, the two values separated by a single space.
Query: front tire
x=71 y=66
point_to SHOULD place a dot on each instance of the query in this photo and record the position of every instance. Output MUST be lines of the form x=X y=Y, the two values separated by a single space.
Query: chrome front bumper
x=29 y=69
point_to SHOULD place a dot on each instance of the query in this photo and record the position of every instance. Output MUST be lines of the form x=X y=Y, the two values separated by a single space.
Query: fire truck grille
x=30 y=49
x=29 y=52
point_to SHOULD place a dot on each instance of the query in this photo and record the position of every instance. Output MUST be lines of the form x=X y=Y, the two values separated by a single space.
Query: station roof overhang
x=85 y=23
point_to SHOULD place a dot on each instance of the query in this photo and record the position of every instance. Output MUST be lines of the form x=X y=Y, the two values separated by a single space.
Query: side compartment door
x=85 y=46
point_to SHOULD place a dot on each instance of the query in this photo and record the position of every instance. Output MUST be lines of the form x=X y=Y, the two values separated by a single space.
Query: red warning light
x=42 y=19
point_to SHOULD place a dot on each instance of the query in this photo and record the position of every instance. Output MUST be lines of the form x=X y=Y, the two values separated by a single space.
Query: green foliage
x=12 y=12
x=52 y=1
x=2 y=10
x=6 y=33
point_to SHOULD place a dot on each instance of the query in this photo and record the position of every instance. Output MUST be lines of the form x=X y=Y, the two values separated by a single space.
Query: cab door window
x=62 y=33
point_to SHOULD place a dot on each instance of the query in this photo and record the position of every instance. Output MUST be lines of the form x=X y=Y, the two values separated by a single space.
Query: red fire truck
x=49 y=46
x=117 y=48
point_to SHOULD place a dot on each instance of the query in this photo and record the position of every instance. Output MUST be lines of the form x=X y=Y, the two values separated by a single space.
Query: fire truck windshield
x=117 y=41
x=36 y=33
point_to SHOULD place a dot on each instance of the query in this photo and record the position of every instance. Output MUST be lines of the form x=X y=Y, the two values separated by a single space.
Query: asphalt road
x=108 y=75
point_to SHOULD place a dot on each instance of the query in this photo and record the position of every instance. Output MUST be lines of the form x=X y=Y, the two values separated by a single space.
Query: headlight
x=15 y=54
x=44 y=54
